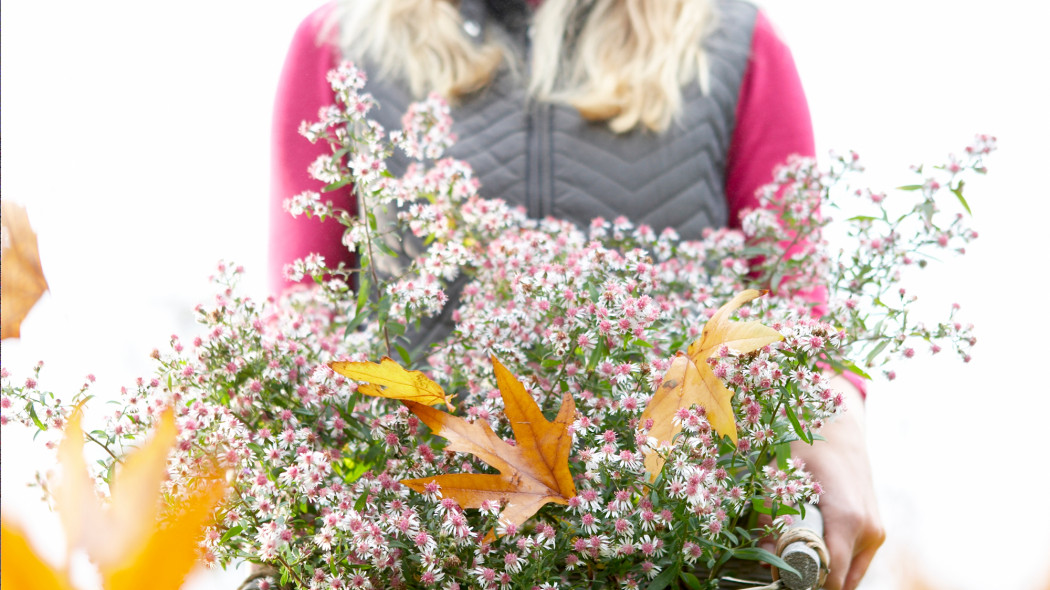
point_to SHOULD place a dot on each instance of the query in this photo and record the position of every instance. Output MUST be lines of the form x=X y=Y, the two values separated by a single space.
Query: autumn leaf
x=743 y=337
x=389 y=379
x=22 y=279
x=170 y=552
x=690 y=380
x=123 y=537
x=532 y=472
x=22 y=567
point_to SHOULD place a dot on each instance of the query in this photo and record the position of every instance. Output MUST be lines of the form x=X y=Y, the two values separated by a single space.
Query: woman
x=669 y=112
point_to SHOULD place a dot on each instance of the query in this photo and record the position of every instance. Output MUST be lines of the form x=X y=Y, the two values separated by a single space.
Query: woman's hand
x=852 y=529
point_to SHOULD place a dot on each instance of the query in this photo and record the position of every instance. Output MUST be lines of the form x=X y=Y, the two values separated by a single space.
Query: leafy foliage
x=654 y=467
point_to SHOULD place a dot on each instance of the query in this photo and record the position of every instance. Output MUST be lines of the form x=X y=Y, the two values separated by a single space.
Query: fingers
x=868 y=543
x=840 y=551
x=851 y=551
x=858 y=568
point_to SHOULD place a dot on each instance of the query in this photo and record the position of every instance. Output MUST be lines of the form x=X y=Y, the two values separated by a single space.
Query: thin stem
x=103 y=445
x=299 y=581
x=372 y=268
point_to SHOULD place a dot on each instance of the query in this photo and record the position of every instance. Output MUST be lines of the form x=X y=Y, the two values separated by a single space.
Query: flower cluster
x=597 y=313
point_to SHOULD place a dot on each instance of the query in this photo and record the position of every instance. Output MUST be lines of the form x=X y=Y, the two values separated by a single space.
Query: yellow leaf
x=398 y=382
x=690 y=381
x=22 y=279
x=21 y=567
x=532 y=472
x=79 y=508
x=677 y=390
x=740 y=336
x=123 y=537
x=170 y=552
x=108 y=533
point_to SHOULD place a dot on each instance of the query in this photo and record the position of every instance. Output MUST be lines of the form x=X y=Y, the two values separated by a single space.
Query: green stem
x=372 y=267
x=298 y=581
x=105 y=447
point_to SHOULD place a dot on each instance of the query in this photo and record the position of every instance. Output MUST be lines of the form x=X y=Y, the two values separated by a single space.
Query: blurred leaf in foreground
x=124 y=537
x=21 y=279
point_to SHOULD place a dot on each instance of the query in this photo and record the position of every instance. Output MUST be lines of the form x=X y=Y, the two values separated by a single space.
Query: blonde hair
x=624 y=62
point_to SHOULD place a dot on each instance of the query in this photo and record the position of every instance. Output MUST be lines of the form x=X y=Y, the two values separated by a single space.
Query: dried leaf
x=743 y=337
x=110 y=532
x=22 y=281
x=678 y=389
x=532 y=472
x=690 y=381
x=76 y=501
x=389 y=379
x=21 y=567
x=170 y=552
x=123 y=538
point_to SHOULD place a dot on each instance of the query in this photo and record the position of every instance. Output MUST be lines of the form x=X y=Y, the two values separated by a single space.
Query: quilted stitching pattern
x=555 y=163
x=576 y=170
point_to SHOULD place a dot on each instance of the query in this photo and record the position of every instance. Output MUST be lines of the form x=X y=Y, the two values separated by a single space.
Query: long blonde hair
x=620 y=61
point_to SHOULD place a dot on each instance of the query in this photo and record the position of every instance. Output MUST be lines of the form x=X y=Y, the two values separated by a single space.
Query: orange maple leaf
x=22 y=282
x=690 y=381
x=389 y=379
x=532 y=472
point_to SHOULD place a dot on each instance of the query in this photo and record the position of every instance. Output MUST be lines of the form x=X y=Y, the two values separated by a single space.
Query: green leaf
x=927 y=209
x=355 y=322
x=665 y=577
x=337 y=185
x=847 y=366
x=384 y=248
x=362 y=500
x=690 y=580
x=406 y=358
x=758 y=554
x=362 y=292
x=801 y=432
x=395 y=328
x=783 y=453
x=36 y=420
x=910 y=187
x=762 y=506
x=599 y=352
x=957 y=191
x=726 y=555
x=881 y=346
x=231 y=533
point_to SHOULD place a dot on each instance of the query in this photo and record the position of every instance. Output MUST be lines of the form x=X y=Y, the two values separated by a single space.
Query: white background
x=137 y=135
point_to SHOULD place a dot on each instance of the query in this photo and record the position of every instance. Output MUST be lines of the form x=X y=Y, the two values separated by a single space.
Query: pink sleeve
x=772 y=123
x=772 y=120
x=301 y=92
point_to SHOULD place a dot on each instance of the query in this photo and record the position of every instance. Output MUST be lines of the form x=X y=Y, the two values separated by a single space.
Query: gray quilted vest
x=548 y=159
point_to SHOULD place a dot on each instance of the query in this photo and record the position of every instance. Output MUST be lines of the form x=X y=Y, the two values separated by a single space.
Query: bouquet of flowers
x=615 y=405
